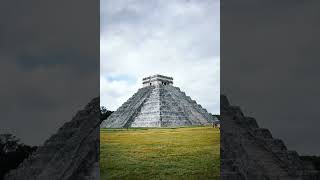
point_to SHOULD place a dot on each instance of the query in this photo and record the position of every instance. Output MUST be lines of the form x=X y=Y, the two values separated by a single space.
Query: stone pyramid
x=159 y=104
x=71 y=153
x=251 y=153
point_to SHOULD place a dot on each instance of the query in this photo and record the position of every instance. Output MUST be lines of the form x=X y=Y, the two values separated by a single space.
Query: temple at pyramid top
x=157 y=80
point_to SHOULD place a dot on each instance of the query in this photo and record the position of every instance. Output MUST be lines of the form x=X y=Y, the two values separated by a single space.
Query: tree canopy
x=12 y=153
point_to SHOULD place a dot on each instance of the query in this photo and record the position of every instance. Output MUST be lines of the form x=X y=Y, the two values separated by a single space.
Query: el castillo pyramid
x=159 y=104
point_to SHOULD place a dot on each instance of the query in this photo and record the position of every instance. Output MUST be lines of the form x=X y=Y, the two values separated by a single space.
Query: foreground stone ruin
x=159 y=104
x=72 y=153
x=251 y=153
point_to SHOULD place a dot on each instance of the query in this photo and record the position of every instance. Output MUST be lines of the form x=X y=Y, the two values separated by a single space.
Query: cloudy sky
x=179 y=38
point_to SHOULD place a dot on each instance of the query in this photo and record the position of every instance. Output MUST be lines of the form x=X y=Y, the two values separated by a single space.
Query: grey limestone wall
x=159 y=106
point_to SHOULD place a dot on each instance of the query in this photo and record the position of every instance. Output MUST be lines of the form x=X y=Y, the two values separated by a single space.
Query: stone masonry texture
x=159 y=106
x=251 y=153
x=70 y=154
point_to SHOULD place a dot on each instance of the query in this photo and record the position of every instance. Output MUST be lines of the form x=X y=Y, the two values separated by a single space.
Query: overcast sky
x=179 y=38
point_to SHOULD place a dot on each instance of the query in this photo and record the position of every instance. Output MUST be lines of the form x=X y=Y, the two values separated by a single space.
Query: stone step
x=169 y=100
x=251 y=122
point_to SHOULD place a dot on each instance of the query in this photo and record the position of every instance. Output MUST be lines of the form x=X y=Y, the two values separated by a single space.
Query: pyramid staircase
x=159 y=106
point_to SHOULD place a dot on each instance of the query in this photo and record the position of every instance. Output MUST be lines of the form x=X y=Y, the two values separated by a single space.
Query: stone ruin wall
x=251 y=153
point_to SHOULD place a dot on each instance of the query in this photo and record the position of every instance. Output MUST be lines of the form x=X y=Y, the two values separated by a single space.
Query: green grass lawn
x=160 y=153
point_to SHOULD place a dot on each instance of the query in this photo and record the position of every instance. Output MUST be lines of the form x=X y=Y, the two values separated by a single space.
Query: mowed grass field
x=160 y=153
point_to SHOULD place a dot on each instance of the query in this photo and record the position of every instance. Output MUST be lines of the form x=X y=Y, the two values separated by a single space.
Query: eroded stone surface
x=72 y=153
x=251 y=153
